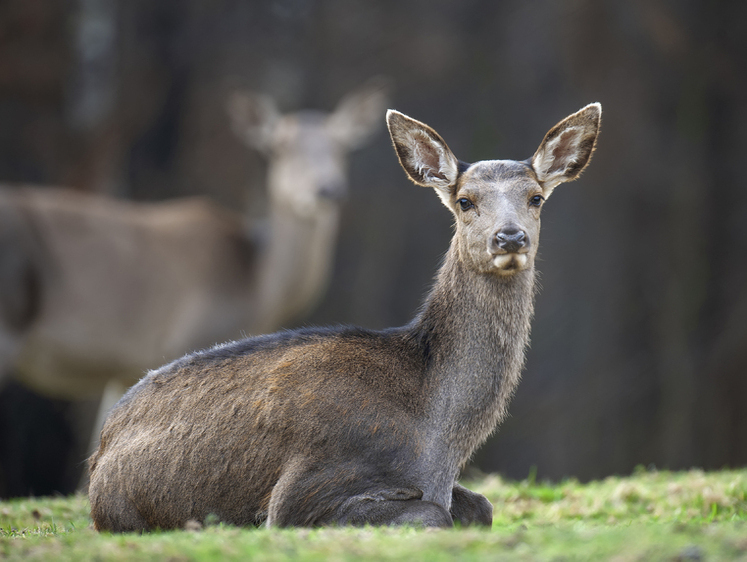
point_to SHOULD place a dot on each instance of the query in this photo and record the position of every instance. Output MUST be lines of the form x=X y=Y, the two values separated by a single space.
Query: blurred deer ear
x=423 y=154
x=253 y=118
x=567 y=148
x=358 y=114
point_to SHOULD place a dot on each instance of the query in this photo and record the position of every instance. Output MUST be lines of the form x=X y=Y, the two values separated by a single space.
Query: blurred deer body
x=95 y=289
x=111 y=299
x=345 y=425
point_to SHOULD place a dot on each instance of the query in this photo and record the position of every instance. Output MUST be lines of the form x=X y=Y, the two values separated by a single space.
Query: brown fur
x=344 y=425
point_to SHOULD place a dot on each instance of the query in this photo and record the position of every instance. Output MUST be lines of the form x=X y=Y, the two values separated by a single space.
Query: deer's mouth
x=508 y=264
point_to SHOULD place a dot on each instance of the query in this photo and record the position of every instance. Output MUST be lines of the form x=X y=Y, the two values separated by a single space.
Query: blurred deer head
x=307 y=150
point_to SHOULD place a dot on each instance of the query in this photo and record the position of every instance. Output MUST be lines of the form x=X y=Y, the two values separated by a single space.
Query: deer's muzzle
x=510 y=240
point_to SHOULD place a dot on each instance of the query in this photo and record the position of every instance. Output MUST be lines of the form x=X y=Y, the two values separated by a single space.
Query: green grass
x=685 y=516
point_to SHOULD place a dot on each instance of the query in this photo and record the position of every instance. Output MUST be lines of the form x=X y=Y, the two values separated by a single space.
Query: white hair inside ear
x=559 y=153
x=438 y=169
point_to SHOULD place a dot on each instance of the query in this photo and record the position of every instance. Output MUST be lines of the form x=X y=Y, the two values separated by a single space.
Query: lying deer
x=344 y=425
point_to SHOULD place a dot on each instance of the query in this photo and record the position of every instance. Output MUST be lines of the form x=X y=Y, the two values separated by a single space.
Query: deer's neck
x=474 y=329
x=295 y=264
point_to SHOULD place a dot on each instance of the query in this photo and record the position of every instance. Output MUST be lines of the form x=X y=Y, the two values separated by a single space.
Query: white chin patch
x=506 y=264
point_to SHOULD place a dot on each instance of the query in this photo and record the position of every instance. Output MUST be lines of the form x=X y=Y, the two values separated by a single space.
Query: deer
x=344 y=425
x=94 y=291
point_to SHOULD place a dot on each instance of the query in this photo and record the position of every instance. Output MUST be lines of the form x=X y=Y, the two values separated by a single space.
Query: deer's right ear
x=357 y=115
x=253 y=118
x=423 y=154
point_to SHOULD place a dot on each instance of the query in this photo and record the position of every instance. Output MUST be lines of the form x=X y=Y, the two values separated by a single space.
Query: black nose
x=334 y=191
x=511 y=240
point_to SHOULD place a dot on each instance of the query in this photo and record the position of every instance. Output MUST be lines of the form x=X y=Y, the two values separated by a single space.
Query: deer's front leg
x=470 y=508
x=392 y=507
x=309 y=495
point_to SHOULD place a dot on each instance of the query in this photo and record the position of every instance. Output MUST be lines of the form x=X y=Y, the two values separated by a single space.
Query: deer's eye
x=536 y=201
x=465 y=204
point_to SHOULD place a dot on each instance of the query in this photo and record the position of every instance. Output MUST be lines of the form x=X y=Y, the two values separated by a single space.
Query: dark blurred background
x=639 y=345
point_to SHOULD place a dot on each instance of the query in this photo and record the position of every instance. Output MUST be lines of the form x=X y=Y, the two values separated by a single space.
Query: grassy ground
x=687 y=516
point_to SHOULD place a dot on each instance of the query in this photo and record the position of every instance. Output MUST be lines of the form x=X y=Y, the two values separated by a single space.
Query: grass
x=686 y=516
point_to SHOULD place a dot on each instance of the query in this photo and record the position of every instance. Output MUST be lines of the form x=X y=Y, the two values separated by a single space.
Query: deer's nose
x=333 y=190
x=511 y=240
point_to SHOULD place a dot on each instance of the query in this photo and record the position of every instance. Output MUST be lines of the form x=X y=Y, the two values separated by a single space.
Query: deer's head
x=496 y=203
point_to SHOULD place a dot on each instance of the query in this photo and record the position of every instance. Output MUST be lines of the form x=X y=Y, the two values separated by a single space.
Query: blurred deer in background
x=95 y=291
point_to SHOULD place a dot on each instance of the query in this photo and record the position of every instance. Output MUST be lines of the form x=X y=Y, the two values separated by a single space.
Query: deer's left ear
x=567 y=148
x=254 y=118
